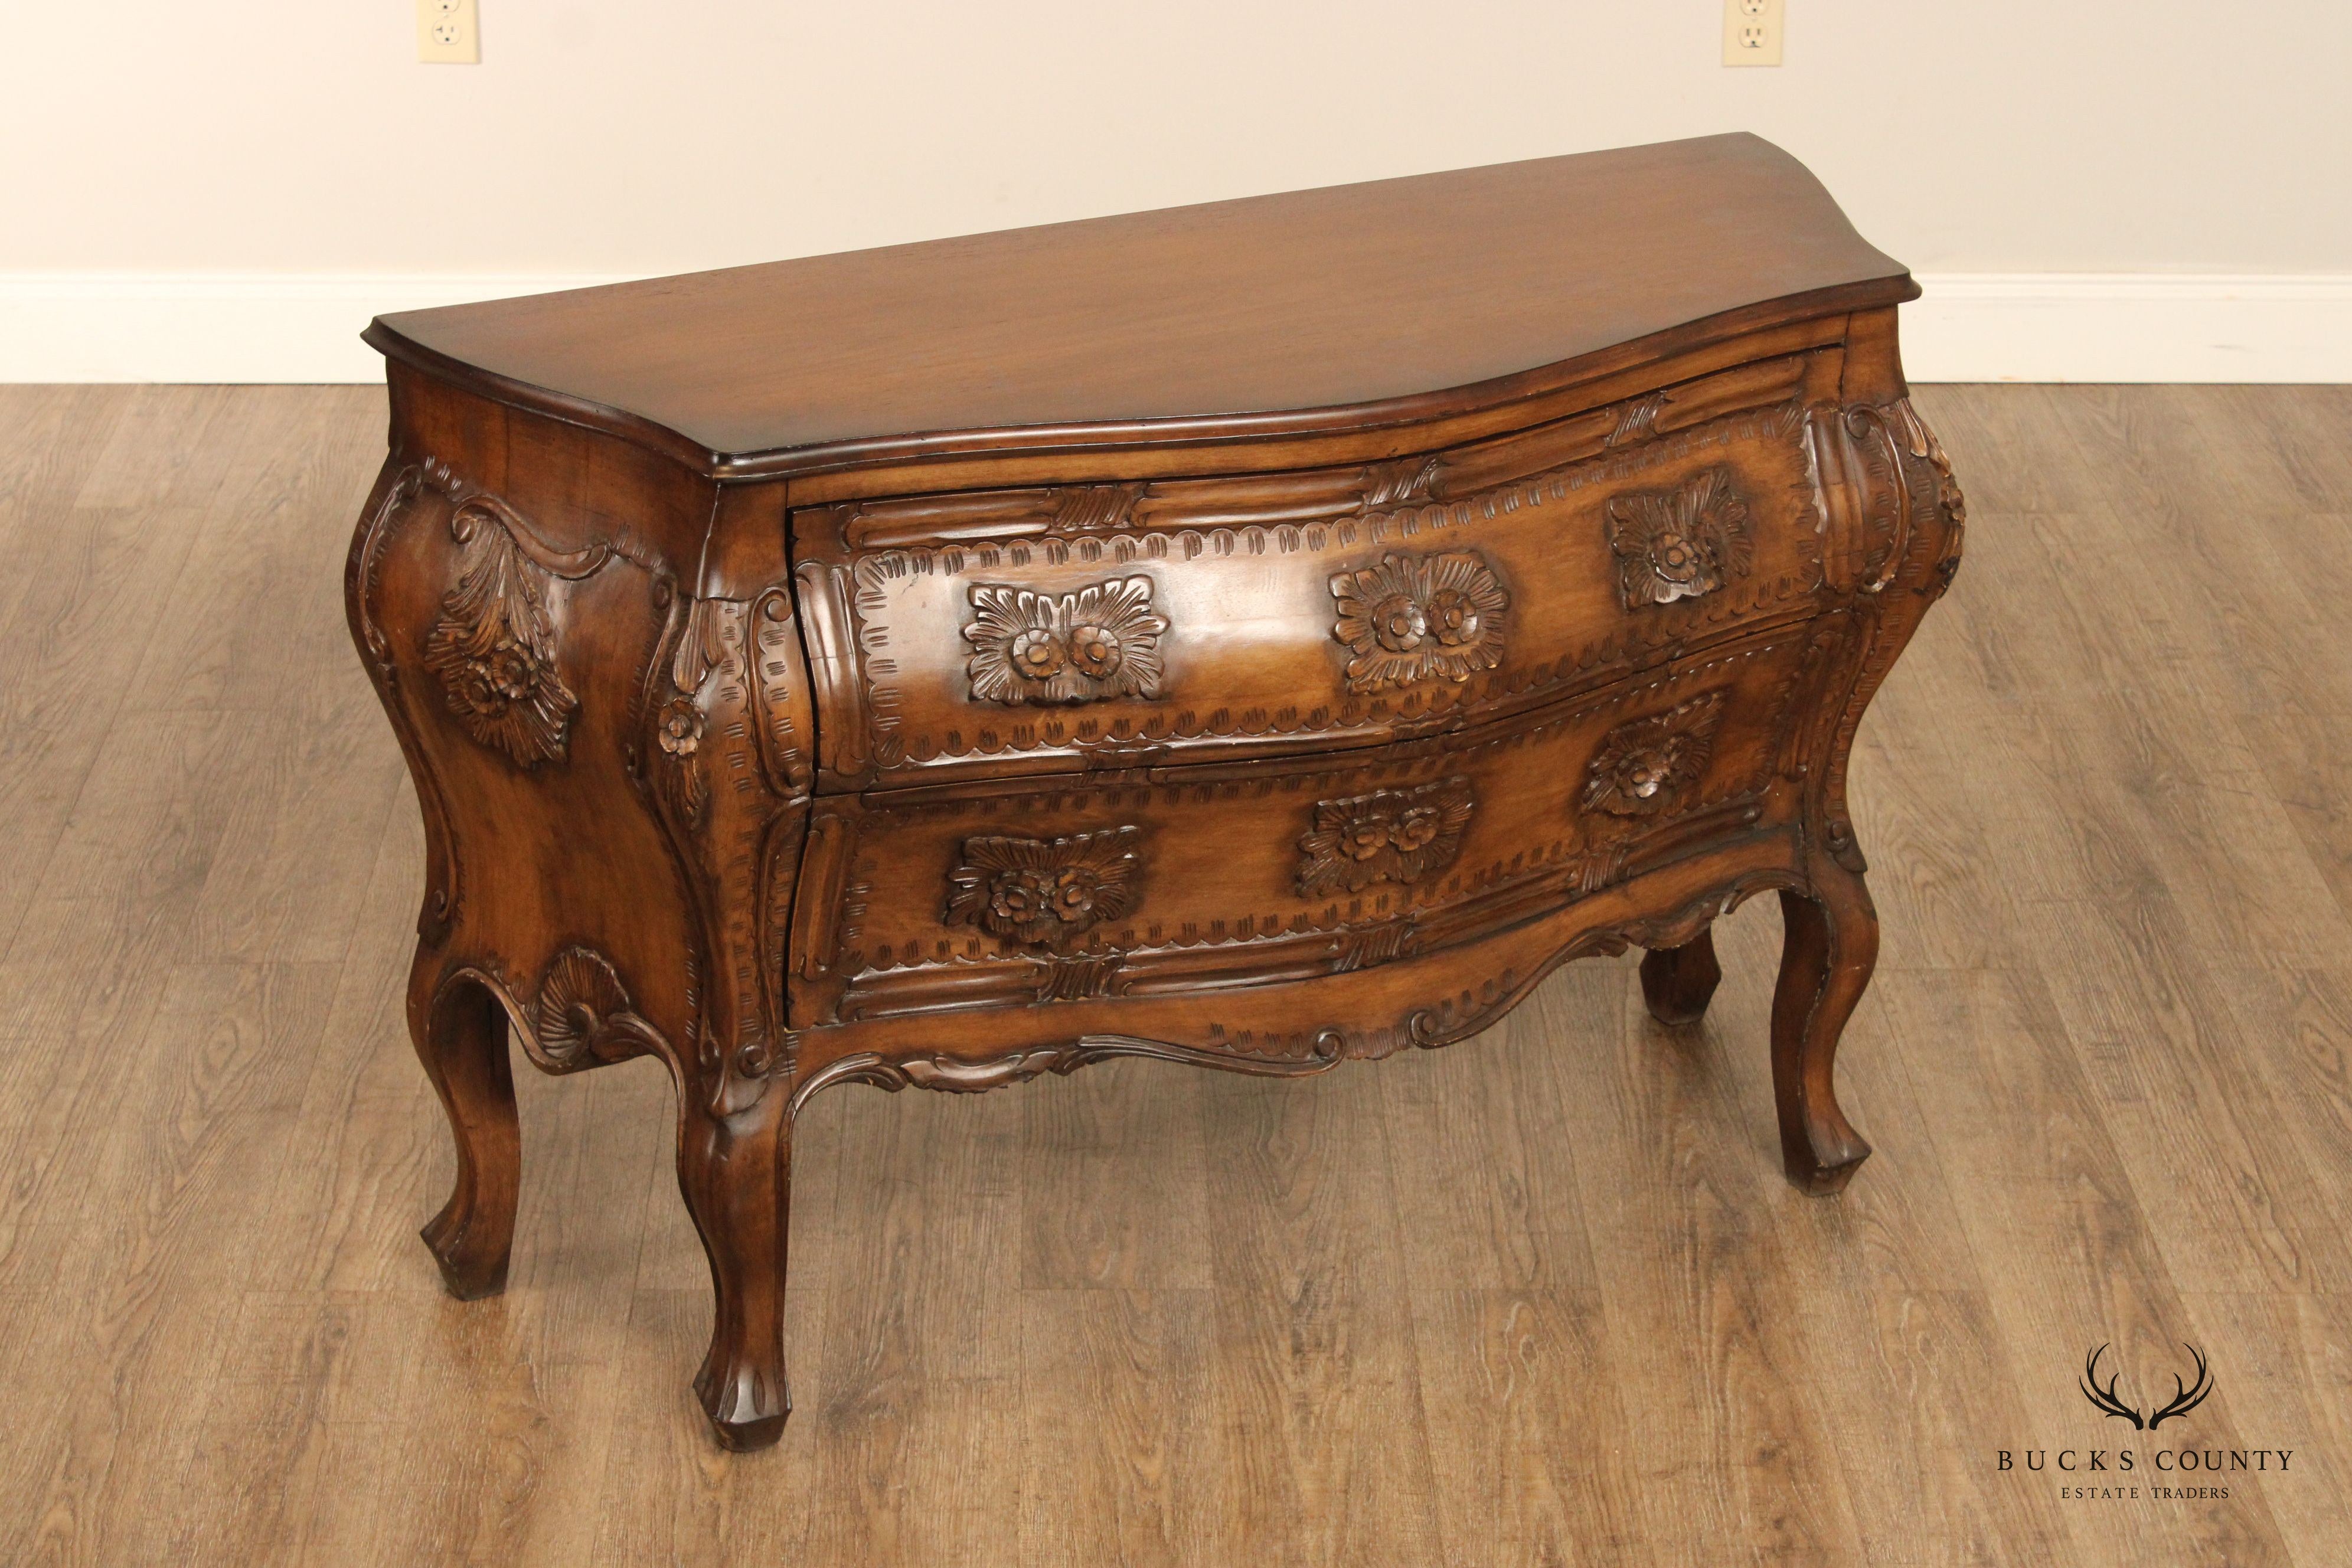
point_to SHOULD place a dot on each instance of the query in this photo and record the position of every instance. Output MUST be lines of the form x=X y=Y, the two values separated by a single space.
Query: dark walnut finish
x=1254 y=635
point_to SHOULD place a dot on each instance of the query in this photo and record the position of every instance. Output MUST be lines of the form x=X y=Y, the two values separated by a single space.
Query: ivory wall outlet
x=1751 y=32
x=448 y=33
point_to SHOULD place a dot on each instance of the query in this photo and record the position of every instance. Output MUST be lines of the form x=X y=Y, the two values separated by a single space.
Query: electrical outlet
x=1751 y=32
x=448 y=33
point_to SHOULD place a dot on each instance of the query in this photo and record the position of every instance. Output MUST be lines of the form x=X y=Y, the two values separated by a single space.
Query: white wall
x=208 y=173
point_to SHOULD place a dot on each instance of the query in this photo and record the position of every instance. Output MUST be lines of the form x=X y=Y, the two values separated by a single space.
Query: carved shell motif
x=1407 y=619
x=583 y=1013
x=494 y=646
x=1388 y=835
x=1646 y=765
x=1099 y=642
x=1045 y=893
x=1681 y=544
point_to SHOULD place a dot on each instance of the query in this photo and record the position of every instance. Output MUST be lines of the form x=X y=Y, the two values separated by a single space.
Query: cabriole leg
x=736 y=1174
x=1678 y=981
x=1829 y=950
x=460 y=1035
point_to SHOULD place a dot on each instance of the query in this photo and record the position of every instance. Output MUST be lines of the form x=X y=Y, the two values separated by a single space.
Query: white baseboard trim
x=2130 y=326
x=222 y=326
x=1971 y=326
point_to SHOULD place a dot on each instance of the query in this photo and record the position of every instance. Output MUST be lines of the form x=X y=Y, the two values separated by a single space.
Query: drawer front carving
x=1044 y=893
x=1645 y=767
x=1170 y=880
x=1409 y=620
x=1101 y=641
x=1103 y=626
x=1683 y=542
x=1400 y=836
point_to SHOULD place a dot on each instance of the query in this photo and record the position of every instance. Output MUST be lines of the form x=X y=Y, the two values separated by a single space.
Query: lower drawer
x=1029 y=892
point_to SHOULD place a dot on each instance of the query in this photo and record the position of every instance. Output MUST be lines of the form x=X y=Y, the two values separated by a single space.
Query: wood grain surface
x=1347 y=296
x=1539 y=1299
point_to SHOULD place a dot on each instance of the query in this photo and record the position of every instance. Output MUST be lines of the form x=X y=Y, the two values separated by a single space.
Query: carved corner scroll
x=1389 y=836
x=1681 y=544
x=1045 y=893
x=1407 y=619
x=1950 y=502
x=728 y=763
x=493 y=648
x=1646 y=765
x=1099 y=642
x=1896 y=519
x=712 y=640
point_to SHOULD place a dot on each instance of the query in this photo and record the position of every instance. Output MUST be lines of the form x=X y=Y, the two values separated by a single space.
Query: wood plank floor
x=1542 y=1297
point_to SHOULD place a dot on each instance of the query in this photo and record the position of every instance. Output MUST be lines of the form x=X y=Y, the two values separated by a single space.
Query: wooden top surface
x=1293 y=311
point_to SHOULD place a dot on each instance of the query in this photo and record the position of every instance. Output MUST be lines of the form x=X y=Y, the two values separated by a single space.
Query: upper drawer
x=1007 y=632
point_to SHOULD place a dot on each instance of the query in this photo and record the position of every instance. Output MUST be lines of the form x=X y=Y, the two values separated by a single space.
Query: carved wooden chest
x=1252 y=635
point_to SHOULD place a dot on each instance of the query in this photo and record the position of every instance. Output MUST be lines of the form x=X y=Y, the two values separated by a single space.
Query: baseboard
x=2130 y=326
x=1971 y=326
x=221 y=327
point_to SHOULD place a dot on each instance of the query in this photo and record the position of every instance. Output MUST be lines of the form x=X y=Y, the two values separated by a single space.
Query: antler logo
x=2184 y=1398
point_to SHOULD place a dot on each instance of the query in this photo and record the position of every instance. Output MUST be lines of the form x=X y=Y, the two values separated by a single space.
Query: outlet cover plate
x=1752 y=31
x=448 y=33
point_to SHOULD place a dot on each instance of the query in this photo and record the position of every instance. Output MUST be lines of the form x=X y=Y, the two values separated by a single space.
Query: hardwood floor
x=1542 y=1297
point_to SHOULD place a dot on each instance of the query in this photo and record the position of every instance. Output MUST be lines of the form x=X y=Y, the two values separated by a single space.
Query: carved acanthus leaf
x=1095 y=508
x=493 y=647
x=1402 y=481
x=961 y=1075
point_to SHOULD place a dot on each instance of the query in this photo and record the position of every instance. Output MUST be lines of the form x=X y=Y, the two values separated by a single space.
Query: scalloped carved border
x=1441 y=1021
x=1241 y=499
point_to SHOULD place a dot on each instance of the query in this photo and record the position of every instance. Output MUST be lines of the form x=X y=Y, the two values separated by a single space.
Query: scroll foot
x=460 y=1035
x=736 y=1174
x=1830 y=949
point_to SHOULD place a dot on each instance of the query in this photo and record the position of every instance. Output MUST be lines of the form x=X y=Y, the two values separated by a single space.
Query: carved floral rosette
x=1405 y=619
x=1100 y=641
x=1682 y=543
x=1647 y=765
x=1045 y=893
x=1389 y=836
x=493 y=648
